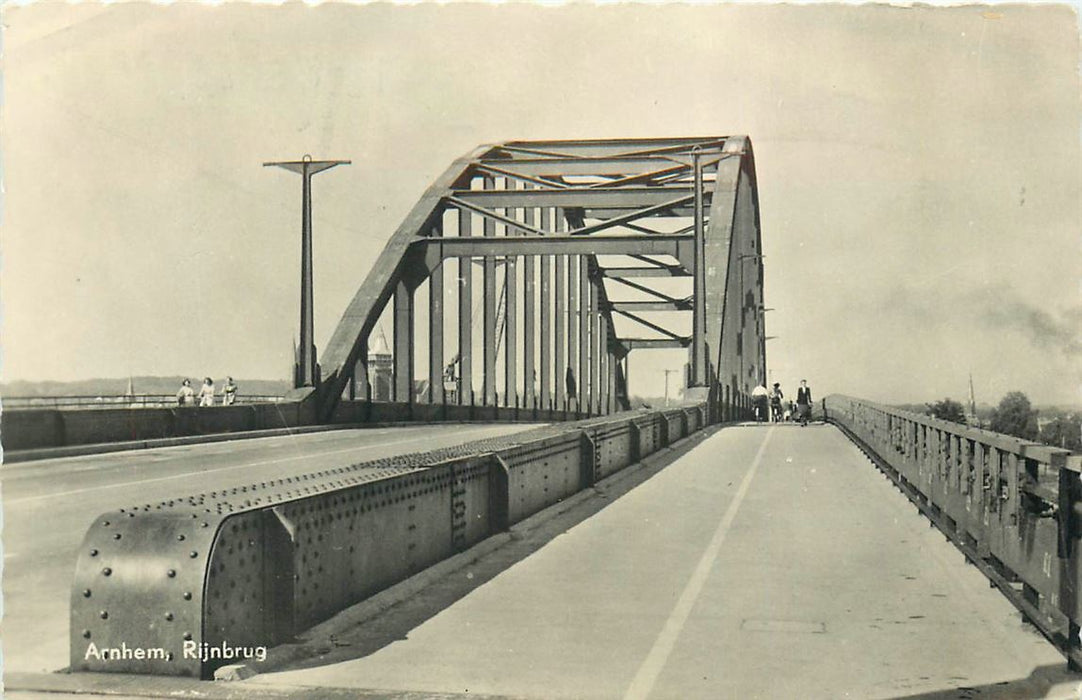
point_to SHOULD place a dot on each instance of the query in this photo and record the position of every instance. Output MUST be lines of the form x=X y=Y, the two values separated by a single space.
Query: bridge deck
x=766 y=563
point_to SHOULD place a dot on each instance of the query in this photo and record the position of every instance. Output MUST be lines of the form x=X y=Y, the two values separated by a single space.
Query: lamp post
x=667 y=373
x=305 y=372
x=766 y=338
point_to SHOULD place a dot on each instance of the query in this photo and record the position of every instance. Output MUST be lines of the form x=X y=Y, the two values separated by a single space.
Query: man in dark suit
x=803 y=402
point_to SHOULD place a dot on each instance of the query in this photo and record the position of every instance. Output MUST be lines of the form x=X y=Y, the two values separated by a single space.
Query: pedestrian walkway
x=768 y=562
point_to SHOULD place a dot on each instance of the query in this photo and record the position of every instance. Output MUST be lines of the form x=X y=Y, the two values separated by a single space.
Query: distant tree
x=1015 y=416
x=1063 y=431
x=947 y=410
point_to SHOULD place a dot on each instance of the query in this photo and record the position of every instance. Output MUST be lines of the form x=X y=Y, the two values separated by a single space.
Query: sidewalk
x=769 y=562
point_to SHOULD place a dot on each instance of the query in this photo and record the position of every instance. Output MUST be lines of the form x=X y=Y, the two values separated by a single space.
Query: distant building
x=380 y=369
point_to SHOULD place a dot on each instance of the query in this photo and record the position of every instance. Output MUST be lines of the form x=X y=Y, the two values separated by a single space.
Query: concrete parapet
x=42 y=429
x=1013 y=507
x=37 y=429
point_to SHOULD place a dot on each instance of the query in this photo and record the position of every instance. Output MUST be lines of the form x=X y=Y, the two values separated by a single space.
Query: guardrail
x=120 y=401
x=1013 y=507
x=184 y=586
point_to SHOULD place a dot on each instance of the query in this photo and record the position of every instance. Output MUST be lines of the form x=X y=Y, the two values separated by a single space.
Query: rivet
x=187 y=636
x=93 y=552
x=86 y=592
x=187 y=595
x=104 y=614
x=168 y=616
x=107 y=571
x=86 y=634
x=105 y=523
x=193 y=554
x=116 y=536
x=171 y=573
x=180 y=538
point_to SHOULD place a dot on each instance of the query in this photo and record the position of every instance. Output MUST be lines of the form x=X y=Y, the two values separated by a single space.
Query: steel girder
x=622 y=213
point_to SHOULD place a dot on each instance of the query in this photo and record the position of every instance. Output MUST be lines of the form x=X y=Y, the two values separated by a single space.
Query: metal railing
x=1012 y=506
x=120 y=401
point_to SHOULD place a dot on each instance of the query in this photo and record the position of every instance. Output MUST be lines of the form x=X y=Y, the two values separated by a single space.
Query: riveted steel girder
x=436 y=249
x=589 y=199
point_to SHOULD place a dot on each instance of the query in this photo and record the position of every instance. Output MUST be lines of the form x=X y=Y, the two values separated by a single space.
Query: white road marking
x=655 y=661
x=140 y=482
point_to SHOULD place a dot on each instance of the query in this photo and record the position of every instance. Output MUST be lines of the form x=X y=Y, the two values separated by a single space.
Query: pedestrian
x=803 y=402
x=186 y=395
x=760 y=399
x=571 y=389
x=206 y=394
x=775 y=403
x=229 y=392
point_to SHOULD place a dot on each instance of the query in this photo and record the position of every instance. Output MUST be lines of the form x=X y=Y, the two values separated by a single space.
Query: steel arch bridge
x=530 y=270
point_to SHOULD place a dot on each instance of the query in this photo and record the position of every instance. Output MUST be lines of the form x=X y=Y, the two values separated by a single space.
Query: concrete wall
x=33 y=429
x=30 y=429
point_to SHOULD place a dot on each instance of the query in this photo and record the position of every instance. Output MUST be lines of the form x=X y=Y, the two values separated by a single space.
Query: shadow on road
x=1053 y=681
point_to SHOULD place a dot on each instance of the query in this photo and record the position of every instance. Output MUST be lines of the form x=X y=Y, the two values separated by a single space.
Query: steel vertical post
x=465 y=316
x=698 y=341
x=616 y=376
x=360 y=373
x=584 y=333
x=596 y=390
x=546 y=318
x=403 y=343
x=490 y=302
x=529 y=318
x=510 y=315
x=573 y=328
x=559 y=340
x=627 y=376
x=603 y=364
x=435 y=330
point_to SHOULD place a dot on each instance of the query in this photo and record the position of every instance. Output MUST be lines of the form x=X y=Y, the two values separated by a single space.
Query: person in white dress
x=206 y=394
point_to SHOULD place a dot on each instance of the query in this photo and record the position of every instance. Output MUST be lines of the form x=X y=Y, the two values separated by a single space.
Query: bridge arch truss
x=530 y=270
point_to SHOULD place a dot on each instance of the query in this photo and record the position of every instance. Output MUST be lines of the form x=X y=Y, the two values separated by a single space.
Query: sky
x=919 y=173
